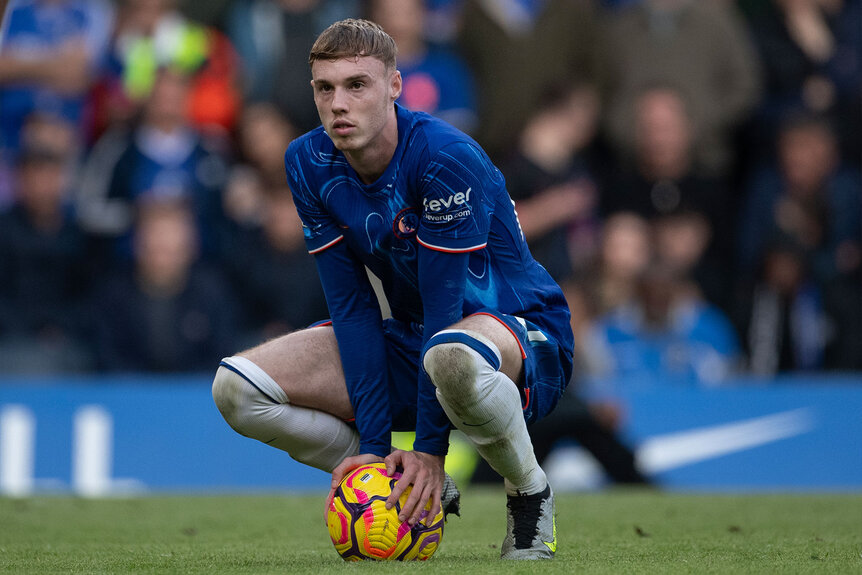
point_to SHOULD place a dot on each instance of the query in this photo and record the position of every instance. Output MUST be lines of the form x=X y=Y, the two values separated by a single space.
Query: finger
x=338 y=474
x=408 y=508
x=329 y=499
x=435 y=506
x=400 y=487
x=392 y=461
x=413 y=505
x=343 y=468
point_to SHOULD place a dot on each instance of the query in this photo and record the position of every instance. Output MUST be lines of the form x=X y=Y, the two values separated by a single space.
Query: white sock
x=485 y=404
x=255 y=406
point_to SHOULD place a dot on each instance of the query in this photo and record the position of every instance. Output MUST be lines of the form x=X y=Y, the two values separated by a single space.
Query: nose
x=339 y=100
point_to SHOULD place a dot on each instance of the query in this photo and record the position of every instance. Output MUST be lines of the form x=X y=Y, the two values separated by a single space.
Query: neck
x=371 y=160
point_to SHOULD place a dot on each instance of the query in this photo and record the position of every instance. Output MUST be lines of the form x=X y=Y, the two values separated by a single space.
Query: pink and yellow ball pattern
x=362 y=528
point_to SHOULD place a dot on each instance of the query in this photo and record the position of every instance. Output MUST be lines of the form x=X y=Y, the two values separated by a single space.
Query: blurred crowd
x=689 y=170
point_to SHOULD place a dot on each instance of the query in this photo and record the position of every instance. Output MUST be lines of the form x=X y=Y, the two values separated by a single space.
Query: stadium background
x=108 y=336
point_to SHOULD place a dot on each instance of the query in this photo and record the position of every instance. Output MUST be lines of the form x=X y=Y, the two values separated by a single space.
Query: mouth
x=342 y=127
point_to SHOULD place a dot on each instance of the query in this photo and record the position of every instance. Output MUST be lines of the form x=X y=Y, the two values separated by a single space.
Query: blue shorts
x=547 y=368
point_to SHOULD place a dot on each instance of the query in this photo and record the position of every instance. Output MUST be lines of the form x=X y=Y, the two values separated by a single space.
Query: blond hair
x=352 y=38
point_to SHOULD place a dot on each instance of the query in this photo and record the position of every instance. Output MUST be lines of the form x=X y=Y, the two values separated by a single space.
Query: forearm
x=364 y=360
x=358 y=329
x=442 y=280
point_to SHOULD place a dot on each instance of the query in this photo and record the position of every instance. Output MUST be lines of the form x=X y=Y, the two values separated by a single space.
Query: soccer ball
x=362 y=528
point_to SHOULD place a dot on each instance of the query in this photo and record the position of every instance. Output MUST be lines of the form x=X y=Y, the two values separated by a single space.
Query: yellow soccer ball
x=362 y=528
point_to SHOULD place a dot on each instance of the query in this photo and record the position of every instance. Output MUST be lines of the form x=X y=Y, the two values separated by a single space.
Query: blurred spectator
x=52 y=132
x=682 y=241
x=262 y=137
x=550 y=180
x=443 y=20
x=812 y=56
x=151 y=35
x=700 y=47
x=48 y=58
x=273 y=38
x=273 y=273
x=625 y=249
x=162 y=156
x=666 y=335
x=845 y=70
x=435 y=80
x=791 y=323
x=809 y=196
x=49 y=53
x=661 y=175
x=664 y=178
x=165 y=313
x=45 y=269
x=44 y=131
x=210 y=12
x=264 y=254
x=517 y=50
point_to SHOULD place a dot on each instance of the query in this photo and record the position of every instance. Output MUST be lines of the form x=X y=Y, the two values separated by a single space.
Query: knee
x=227 y=391
x=455 y=360
x=236 y=399
x=449 y=366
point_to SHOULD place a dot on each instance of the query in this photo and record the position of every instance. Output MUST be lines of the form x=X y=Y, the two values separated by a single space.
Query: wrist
x=437 y=448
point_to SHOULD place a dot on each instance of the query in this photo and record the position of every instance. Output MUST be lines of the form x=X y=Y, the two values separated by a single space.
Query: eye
x=357 y=85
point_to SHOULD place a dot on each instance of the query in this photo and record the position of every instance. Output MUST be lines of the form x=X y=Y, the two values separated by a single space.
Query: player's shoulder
x=312 y=156
x=437 y=136
x=437 y=132
x=310 y=144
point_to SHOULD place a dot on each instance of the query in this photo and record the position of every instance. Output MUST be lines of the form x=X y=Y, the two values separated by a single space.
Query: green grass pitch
x=606 y=532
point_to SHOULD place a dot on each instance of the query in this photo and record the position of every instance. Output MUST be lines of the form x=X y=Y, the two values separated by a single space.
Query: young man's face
x=354 y=99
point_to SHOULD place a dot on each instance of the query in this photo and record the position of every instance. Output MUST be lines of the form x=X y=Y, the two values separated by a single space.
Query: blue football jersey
x=440 y=192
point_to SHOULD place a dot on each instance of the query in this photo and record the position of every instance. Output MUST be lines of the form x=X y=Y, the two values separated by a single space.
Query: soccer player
x=479 y=336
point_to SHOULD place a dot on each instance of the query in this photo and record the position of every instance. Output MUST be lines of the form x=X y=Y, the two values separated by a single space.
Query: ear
x=395 y=85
